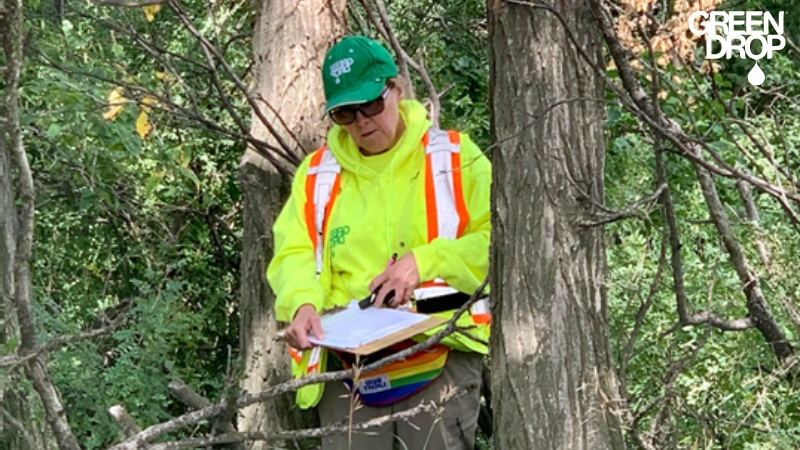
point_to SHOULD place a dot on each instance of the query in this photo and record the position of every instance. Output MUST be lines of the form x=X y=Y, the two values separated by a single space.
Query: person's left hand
x=402 y=277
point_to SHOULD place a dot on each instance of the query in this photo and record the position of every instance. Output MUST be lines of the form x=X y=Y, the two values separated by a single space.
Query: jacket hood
x=413 y=115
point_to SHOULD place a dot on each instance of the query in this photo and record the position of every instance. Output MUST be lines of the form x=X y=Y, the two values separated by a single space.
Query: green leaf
x=53 y=131
x=191 y=175
x=66 y=26
x=152 y=183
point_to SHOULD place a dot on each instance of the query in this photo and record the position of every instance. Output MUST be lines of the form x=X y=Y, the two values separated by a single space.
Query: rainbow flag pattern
x=401 y=379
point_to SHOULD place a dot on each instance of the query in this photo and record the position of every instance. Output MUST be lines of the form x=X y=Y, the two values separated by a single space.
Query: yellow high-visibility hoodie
x=379 y=211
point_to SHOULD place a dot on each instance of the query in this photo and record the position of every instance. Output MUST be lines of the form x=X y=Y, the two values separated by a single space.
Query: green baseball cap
x=355 y=71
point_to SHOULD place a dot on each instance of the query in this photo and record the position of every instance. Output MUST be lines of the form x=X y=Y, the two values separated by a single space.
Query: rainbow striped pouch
x=400 y=379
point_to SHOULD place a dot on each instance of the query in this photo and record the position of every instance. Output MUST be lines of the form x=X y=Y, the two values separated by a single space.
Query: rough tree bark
x=553 y=384
x=291 y=39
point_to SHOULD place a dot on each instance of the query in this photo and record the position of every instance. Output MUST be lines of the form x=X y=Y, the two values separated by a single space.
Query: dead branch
x=11 y=361
x=231 y=438
x=385 y=27
x=195 y=401
x=194 y=417
x=187 y=395
x=791 y=44
x=629 y=211
x=708 y=317
x=757 y=306
x=125 y=421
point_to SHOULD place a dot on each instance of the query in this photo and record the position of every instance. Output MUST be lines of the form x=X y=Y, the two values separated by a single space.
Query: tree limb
x=629 y=211
x=125 y=421
x=10 y=361
x=759 y=310
x=285 y=150
x=35 y=369
x=230 y=438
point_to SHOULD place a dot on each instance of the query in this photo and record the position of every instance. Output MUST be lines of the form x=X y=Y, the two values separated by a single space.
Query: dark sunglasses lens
x=343 y=116
x=372 y=108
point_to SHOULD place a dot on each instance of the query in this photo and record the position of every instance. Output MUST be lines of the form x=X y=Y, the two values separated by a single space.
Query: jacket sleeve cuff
x=427 y=261
x=298 y=299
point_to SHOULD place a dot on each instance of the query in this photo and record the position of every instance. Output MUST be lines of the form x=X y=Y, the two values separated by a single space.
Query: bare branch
x=752 y=217
x=791 y=44
x=10 y=361
x=125 y=421
x=188 y=396
x=389 y=33
x=631 y=210
x=230 y=438
x=194 y=417
x=285 y=151
x=627 y=351
x=757 y=305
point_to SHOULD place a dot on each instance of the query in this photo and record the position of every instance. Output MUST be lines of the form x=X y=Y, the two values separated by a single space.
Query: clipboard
x=362 y=332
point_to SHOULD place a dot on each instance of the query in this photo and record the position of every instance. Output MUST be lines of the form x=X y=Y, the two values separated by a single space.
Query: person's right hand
x=305 y=319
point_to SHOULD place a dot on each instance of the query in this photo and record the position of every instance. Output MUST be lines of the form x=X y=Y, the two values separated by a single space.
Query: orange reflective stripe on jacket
x=322 y=187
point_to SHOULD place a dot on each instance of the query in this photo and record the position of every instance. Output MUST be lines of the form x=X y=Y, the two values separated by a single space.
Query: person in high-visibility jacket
x=385 y=183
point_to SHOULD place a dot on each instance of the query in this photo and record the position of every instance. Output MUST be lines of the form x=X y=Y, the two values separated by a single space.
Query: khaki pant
x=454 y=429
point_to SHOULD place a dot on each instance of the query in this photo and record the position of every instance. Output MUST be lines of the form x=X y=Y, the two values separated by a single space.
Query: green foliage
x=125 y=223
x=732 y=393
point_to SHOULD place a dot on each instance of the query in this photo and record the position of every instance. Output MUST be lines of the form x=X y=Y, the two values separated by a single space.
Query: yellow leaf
x=147 y=101
x=165 y=77
x=116 y=103
x=150 y=11
x=143 y=125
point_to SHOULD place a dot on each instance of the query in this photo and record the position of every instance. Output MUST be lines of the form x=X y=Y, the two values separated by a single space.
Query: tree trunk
x=553 y=384
x=291 y=39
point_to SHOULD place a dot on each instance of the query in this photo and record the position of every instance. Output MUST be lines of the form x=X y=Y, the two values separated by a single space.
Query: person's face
x=377 y=133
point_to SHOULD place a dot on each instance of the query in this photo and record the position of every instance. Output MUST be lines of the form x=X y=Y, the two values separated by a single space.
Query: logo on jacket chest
x=337 y=237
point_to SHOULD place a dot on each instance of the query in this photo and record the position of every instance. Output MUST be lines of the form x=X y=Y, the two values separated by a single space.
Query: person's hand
x=402 y=277
x=305 y=319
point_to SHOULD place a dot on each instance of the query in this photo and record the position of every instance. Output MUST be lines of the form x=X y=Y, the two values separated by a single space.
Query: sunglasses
x=345 y=115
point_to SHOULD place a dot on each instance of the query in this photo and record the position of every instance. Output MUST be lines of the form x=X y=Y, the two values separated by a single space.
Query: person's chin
x=372 y=145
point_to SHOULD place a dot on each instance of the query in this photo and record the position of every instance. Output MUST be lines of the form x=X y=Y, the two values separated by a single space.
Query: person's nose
x=361 y=119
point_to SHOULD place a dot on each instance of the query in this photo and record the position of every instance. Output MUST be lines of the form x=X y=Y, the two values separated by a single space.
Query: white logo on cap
x=341 y=67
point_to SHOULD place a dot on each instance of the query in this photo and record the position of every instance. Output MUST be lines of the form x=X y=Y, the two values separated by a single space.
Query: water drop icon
x=756 y=76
